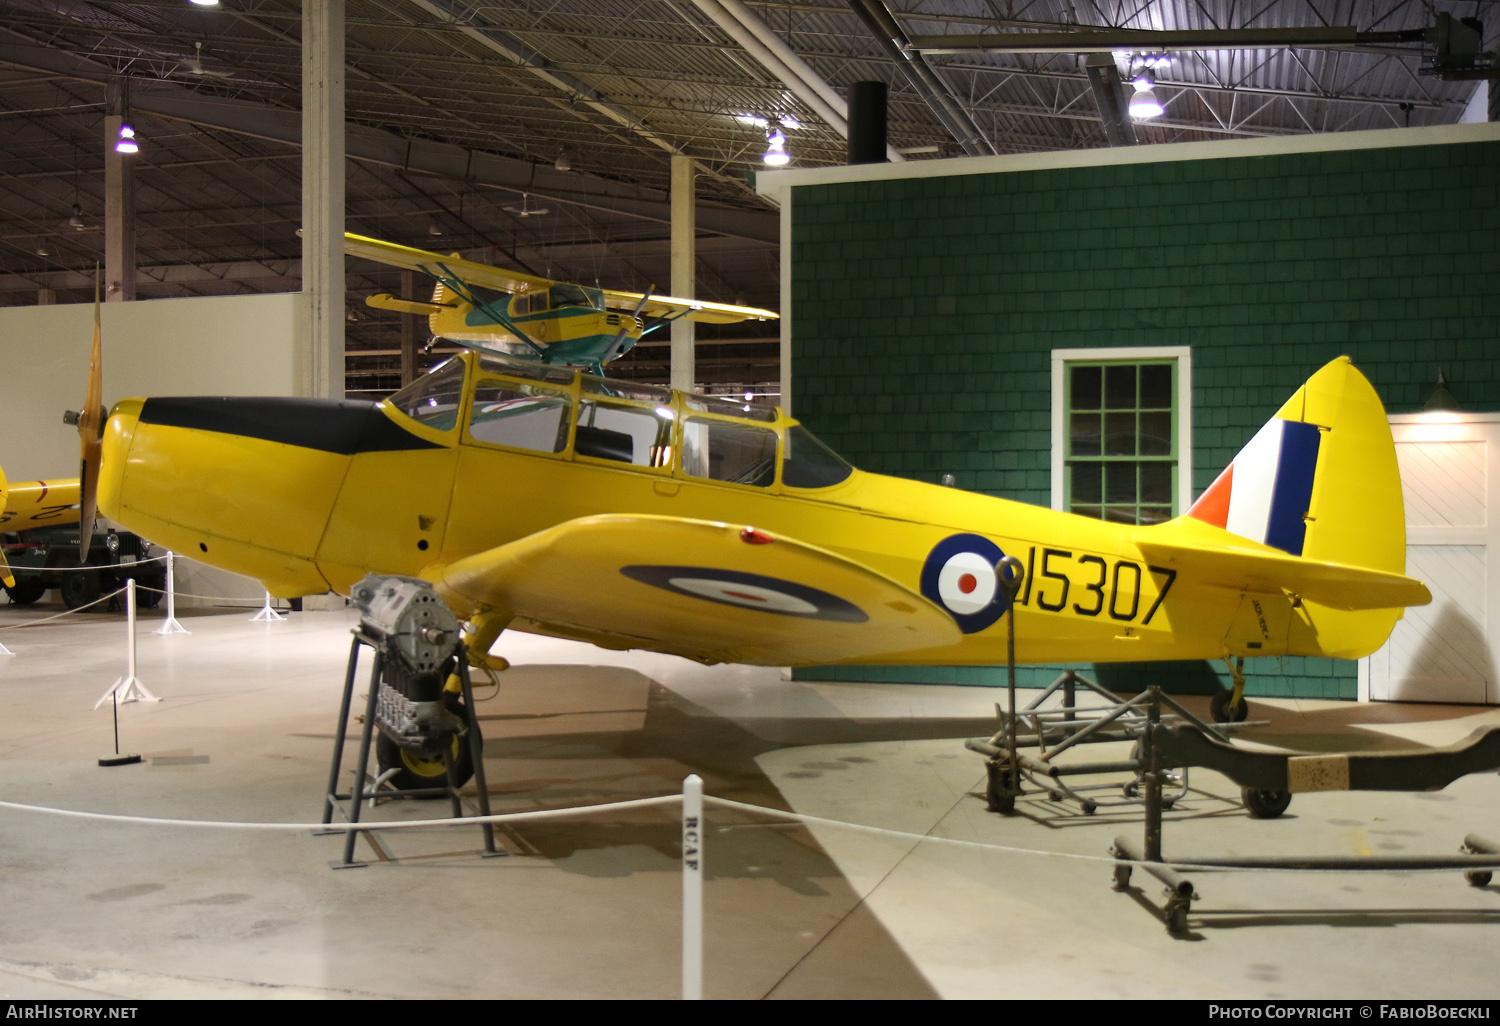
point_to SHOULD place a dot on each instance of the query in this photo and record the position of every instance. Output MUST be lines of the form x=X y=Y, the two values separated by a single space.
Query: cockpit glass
x=620 y=389
x=433 y=399
x=523 y=368
x=732 y=406
x=568 y=295
x=722 y=450
x=809 y=463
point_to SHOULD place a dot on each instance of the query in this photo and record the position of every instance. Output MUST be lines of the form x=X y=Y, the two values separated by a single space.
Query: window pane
x=1119 y=387
x=627 y=390
x=522 y=368
x=1086 y=387
x=568 y=295
x=1084 y=440
x=1156 y=482
x=725 y=451
x=1119 y=482
x=1119 y=514
x=1156 y=386
x=1155 y=514
x=522 y=416
x=731 y=406
x=433 y=399
x=1087 y=511
x=1087 y=483
x=628 y=434
x=1119 y=434
x=809 y=463
x=1156 y=433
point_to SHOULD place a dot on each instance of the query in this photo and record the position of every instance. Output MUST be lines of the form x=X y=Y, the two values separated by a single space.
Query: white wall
x=208 y=345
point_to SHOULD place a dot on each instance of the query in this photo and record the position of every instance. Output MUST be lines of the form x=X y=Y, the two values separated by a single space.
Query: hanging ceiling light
x=126 y=142
x=1144 y=103
x=563 y=163
x=776 y=154
x=42 y=250
x=76 y=219
x=206 y=3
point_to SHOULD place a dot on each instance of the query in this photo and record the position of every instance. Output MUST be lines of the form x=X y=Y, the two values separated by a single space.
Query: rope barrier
x=673 y=799
x=59 y=616
x=23 y=568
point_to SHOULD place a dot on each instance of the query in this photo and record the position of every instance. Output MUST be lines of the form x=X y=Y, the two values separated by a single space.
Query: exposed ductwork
x=882 y=24
x=741 y=25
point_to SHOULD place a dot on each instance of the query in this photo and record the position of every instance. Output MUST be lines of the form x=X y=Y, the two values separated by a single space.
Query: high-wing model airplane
x=543 y=499
x=556 y=322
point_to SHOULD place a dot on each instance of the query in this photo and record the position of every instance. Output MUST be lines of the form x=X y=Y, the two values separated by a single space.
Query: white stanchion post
x=170 y=625
x=266 y=612
x=5 y=651
x=692 y=888
x=129 y=687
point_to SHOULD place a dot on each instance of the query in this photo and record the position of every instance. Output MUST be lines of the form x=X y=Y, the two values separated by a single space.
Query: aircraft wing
x=710 y=591
x=700 y=310
x=413 y=259
x=1216 y=557
x=27 y=504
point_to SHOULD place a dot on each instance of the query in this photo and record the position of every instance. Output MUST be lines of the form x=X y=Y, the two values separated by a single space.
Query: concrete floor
x=589 y=907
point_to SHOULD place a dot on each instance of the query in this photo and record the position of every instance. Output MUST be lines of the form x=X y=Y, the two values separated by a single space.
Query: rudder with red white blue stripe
x=1265 y=492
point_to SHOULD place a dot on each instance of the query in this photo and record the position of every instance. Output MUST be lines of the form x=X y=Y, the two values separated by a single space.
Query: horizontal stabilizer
x=1216 y=557
x=710 y=591
x=386 y=301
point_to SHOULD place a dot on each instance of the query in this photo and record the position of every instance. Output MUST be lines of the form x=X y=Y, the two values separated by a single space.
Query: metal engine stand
x=418 y=646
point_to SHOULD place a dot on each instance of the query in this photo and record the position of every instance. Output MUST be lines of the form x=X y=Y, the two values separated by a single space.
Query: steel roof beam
x=416 y=155
x=1154 y=41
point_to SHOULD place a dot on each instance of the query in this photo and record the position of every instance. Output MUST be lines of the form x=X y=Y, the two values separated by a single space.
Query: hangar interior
x=1300 y=198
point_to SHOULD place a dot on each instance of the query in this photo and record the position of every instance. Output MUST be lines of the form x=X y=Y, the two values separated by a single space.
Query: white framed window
x=1122 y=432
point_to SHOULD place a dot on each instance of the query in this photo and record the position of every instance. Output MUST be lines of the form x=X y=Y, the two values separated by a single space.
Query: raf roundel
x=748 y=591
x=961 y=576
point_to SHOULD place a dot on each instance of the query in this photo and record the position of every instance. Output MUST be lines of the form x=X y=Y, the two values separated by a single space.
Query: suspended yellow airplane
x=556 y=322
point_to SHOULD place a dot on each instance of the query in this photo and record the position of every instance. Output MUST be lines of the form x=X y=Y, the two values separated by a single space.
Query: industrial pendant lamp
x=126 y=142
x=776 y=154
x=1144 y=103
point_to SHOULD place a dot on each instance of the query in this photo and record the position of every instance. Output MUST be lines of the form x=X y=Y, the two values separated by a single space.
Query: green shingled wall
x=924 y=311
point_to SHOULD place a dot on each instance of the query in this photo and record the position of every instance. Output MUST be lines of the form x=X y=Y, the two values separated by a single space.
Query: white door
x=1443 y=652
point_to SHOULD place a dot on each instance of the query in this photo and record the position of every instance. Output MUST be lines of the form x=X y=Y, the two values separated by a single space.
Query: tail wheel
x=414 y=769
x=1265 y=803
x=1221 y=711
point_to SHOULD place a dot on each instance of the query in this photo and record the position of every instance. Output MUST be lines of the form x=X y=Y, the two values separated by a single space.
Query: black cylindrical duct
x=867 y=123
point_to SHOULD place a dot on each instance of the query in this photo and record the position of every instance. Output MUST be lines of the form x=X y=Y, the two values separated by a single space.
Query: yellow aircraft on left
x=552 y=321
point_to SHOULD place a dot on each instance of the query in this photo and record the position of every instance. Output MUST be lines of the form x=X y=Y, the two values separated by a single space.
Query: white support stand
x=266 y=612
x=692 y=888
x=129 y=687
x=5 y=651
x=170 y=625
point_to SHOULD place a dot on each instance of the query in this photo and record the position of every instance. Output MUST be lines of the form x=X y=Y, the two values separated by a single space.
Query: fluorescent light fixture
x=206 y=3
x=759 y=122
x=776 y=154
x=126 y=143
x=1144 y=103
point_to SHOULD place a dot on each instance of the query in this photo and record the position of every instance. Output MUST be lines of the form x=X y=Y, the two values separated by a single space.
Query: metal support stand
x=358 y=792
x=170 y=624
x=129 y=687
x=1164 y=743
x=266 y=612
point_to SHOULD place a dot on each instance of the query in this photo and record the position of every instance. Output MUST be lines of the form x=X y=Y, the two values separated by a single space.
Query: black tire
x=26 y=592
x=149 y=589
x=1479 y=877
x=415 y=770
x=1220 y=711
x=1264 y=803
x=79 y=587
x=1122 y=877
x=998 y=791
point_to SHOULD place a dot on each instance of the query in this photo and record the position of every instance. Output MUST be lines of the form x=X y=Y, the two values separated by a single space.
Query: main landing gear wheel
x=417 y=770
x=999 y=791
x=1264 y=803
x=1221 y=711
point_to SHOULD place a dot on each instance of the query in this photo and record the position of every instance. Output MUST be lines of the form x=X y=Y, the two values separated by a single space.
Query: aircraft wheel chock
x=1220 y=711
x=1264 y=803
x=998 y=789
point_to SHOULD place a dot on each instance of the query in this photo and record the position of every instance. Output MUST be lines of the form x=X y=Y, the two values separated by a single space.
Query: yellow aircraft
x=556 y=322
x=539 y=498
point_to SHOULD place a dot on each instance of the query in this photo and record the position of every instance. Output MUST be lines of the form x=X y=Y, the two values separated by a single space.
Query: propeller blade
x=90 y=435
